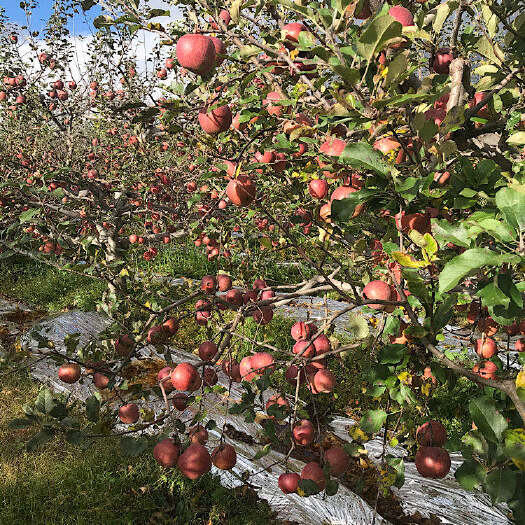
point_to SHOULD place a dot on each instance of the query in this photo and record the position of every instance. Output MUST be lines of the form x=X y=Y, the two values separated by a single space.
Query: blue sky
x=79 y=24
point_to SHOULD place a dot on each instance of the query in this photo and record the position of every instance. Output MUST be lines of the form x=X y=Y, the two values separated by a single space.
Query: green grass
x=46 y=287
x=60 y=483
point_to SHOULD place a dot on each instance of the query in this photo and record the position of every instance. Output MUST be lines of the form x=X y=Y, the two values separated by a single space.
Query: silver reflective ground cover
x=443 y=498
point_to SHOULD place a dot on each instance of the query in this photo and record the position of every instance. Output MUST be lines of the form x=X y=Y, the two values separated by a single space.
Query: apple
x=304 y=432
x=208 y=284
x=302 y=330
x=180 y=401
x=220 y=50
x=314 y=472
x=324 y=381
x=166 y=453
x=224 y=456
x=185 y=377
x=290 y=32
x=483 y=112
x=263 y=315
x=322 y=344
x=442 y=60
x=194 y=461
x=289 y=482
x=129 y=413
x=519 y=345
x=378 y=290
x=237 y=124
x=207 y=350
x=171 y=326
x=485 y=369
x=278 y=400
x=343 y=192
x=338 y=460
x=198 y=434
x=215 y=121
x=486 y=348
x=224 y=282
x=234 y=297
x=304 y=349
x=196 y=53
x=100 y=380
x=69 y=373
x=386 y=144
x=232 y=369
x=157 y=335
x=123 y=345
x=318 y=188
x=241 y=191
x=402 y=15
x=162 y=374
x=432 y=462
x=431 y=434
x=273 y=109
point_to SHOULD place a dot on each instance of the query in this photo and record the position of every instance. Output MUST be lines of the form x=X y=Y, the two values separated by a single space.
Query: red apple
x=288 y=482
x=338 y=460
x=224 y=457
x=129 y=413
x=194 y=461
x=314 y=472
x=431 y=434
x=69 y=373
x=241 y=191
x=166 y=453
x=185 y=377
x=486 y=348
x=196 y=52
x=304 y=432
x=433 y=462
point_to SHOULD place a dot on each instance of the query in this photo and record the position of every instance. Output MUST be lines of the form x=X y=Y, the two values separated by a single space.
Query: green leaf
x=153 y=13
x=517 y=138
x=462 y=265
x=131 y=446
x=21 y=422
x=444 y=312
x=102 y=21
x=501 y=484
x=399 y=466
x=87 y=4
x=511 y=203
x=27 y=215
x=40 y=438
x=397 y=68
x=487 y=418
x=470 y=475
x=44 y=401
x=372 y=421
x=442 y=13
x=263 y=451
x=491 y=295
x=332 y=486
x=455 y=233
x=92 y=408
x=76 y=437
x=515 y=444
x=147 y=114
x=342 y=210
x=392 y=354
x=307 y=487
x=357 y=326
x=376 y=36
x=361 y=155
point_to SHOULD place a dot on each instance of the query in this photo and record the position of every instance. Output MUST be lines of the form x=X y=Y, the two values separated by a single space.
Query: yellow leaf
x=124 y=272
x=357 y=434
x=520 y=379
x=425 y=389
x=404 y=259
x=294 y=53
x=404 y=377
